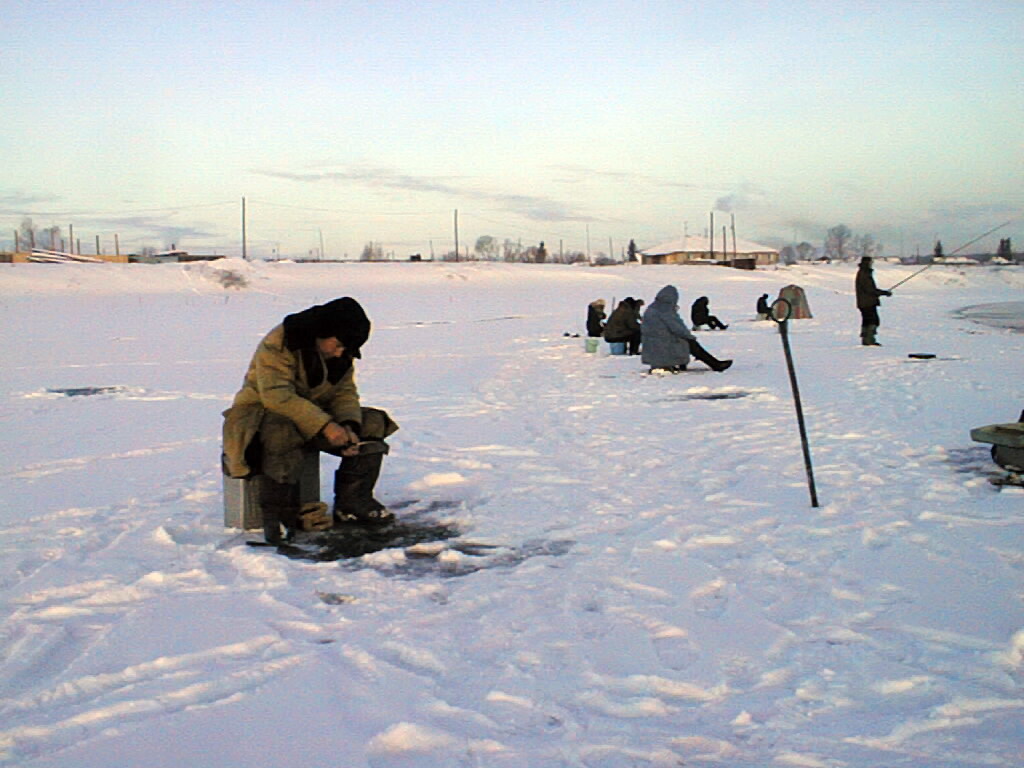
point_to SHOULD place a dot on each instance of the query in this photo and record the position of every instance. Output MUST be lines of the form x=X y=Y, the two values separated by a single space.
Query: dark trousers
x=869 y=316
x=703 y=355
x=634 y=343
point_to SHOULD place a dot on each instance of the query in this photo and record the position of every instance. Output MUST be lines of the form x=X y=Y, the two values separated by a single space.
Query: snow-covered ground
x=640 y=578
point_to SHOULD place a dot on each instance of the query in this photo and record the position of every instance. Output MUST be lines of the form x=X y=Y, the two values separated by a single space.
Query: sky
x=583 y=125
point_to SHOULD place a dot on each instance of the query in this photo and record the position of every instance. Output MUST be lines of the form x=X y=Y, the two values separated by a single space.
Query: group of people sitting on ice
x=659 y=335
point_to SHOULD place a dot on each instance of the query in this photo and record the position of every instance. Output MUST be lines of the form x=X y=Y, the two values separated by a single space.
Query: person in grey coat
x=667 y=342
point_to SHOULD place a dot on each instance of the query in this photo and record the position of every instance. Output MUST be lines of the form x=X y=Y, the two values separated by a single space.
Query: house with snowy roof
x=697 y=249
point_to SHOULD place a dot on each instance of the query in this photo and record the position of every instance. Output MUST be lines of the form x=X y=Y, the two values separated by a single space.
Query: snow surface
x=655 y=589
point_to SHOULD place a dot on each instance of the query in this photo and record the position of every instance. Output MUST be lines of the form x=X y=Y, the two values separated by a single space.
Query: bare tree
x=865 y=246
x=836 y=242
x=372 y=252
x=512 y=251
x=788 y=254
x=805 y=251
x=27 y=234
x=486 y=248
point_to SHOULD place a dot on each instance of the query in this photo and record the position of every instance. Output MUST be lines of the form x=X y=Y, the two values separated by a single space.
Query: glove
x=887 y=293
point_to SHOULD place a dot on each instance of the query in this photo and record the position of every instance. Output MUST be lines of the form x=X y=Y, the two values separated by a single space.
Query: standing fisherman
x=868 y=303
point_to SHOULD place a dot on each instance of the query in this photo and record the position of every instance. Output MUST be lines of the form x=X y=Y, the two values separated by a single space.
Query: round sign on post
x=782 y=310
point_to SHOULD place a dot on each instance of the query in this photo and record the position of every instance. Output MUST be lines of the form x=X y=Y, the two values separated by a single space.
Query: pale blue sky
x=537 y=121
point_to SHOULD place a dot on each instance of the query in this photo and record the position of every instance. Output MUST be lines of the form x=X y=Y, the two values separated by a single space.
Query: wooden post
x=97 y=245
x=16 y=245
x=117 y=245
x=71 y=237
x=456 y=234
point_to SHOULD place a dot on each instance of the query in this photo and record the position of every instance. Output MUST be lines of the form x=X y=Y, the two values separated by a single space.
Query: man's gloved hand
x=342 y=436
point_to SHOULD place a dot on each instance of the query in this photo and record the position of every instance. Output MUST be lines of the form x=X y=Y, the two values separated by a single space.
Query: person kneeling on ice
x=299 y=396
x=667 y=341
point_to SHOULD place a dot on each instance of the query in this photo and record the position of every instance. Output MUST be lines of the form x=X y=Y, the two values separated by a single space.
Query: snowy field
x=639 y=577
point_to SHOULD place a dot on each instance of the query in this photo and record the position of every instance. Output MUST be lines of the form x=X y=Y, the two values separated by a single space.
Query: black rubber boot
x=279 y=505
x=353 y=490
x=707 y=358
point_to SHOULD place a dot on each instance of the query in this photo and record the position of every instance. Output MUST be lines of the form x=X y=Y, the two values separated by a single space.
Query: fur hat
x=343 y=319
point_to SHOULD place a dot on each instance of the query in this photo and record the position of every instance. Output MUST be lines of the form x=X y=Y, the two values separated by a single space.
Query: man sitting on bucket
x=299 y=396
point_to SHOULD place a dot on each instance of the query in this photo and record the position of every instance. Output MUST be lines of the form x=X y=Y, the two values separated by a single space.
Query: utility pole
x=732 y=218
x=117 y=245
x=456 y=234
x=588 y=243
x=321 y=244
x=711 y=237
x=71 y=237
x=97 y=245
x=610 y=254
x=245 y=254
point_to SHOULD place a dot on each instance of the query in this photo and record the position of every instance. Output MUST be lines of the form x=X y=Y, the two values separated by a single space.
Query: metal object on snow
x=780 y=313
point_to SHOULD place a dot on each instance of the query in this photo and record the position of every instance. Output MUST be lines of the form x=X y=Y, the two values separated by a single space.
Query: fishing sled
x=1007 y=441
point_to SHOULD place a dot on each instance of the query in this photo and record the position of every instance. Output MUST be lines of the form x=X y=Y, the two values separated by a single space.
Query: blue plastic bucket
x=616 y=347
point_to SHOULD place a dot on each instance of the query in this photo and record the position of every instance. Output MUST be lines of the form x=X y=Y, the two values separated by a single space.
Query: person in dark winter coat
x=634 y=345
x=667 y=341
x=623 y=326
x=299 y=396
x=764 y=309
x=701 y=315
x=595 y=318
x=868 y=302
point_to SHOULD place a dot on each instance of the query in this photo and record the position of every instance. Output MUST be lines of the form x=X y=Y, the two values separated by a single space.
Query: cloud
x=19 y=203
x=531 y=207
x=957 y=211
x=574 y=174
x=157 y=229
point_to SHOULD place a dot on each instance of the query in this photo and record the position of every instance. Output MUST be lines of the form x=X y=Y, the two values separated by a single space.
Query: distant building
x=696 y=249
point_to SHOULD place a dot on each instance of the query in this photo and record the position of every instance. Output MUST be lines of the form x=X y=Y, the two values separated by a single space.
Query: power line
x=349 y=211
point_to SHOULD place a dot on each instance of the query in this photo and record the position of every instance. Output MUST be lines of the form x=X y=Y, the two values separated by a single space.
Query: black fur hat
x=343 y=318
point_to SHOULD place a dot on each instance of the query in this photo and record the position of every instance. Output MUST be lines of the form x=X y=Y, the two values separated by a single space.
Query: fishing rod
x=952 y=253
